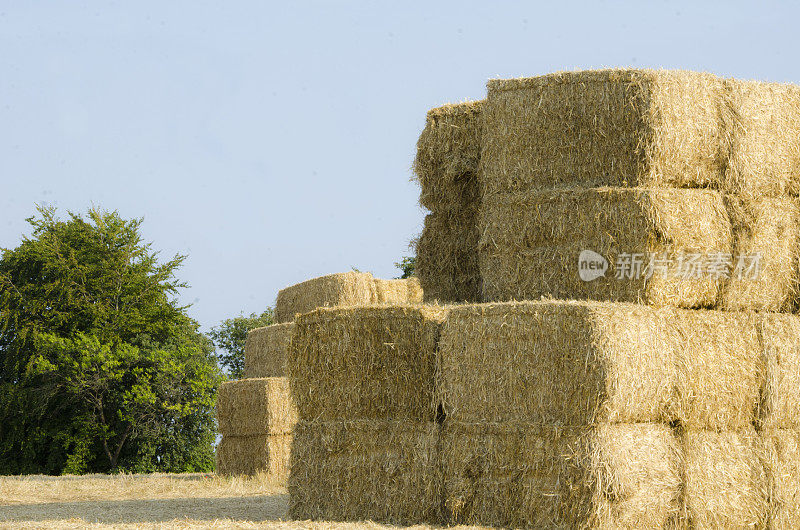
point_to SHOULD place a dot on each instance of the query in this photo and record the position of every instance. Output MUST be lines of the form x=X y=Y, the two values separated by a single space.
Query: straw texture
x=359 y=470
x=249 y=455
x=256 y=406
x=528 y=475
x=604 y=128
x=373 y=362
x=530 y=243
x=265 y=351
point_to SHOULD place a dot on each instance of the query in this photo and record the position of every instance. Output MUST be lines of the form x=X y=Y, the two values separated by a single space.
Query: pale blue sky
x=272 y=142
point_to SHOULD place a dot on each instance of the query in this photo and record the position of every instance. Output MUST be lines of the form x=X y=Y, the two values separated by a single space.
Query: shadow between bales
x=257 y=508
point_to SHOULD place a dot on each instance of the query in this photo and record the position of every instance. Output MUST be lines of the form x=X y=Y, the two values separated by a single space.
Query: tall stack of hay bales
x=256 y=414
x=561 y=401
x=602 y=411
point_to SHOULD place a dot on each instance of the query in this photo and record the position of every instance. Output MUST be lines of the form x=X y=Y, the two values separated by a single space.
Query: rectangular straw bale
x=344 y=288
x=725 y=482
x=536 y=476
x=448 y=151
x=721 y=369
x=265 y=351
x=249 y=455
x=770 y=229
x=765 y=154
x=371 y=362
x=530 y=243
x=559 y=362
x=781 y=337
x=604 y=128
x=782 y=462
x=447 y=256
x=366 y=470
x=406 y=291
x=256 y=406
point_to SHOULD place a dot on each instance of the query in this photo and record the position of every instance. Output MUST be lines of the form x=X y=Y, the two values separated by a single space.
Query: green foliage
x=231 y=334
x=407 y=266
x=100 y=368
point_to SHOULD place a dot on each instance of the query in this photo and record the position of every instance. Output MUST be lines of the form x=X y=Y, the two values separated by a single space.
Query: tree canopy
x=100 y=368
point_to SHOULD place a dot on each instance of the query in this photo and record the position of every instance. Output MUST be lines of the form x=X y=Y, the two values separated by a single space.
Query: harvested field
x=256 y=406
x=355 y=470
x=374 y=362
x=250 y=455
x=447 y=256
x=604 y=128
x=530 y=244
x=528 y=475
x=265 y=351
x=448 y=152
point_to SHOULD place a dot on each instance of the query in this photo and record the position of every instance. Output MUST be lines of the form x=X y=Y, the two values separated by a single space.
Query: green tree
x=407 y=266
x=231 y=334
x=100 y=368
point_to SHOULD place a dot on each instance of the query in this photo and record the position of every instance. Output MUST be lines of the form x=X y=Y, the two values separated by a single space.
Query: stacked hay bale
x=256 y=415
x=655 y=400
x=256 y=418
x=366 y=443
x=446 y=168
x=637 y=161
x=344 y=289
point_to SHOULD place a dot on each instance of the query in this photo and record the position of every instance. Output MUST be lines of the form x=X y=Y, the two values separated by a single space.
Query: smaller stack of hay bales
x=446 y=167
x=257 y=414
x=344 y=289
x=366 y=443
x=256 y=419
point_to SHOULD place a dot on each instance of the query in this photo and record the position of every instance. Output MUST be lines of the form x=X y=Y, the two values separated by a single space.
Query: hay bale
x=559 y=362
x=530 y=244
x=725 y=482
x=256 y=406
x=447 y=256
x=768 y=228
x=721 y=369
x=366 y=470
x=406 y=291
x=448 y=152
x=249 y=455
x=345 y=288
x=531 y=475
x=265 y=351
x=604 y=128
x=781 y=336
x=782 y=462
x=577 y=363
x=765 y=132
x=373 y=362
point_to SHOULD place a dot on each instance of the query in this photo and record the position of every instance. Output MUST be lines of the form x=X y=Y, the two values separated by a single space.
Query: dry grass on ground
x=148 y=501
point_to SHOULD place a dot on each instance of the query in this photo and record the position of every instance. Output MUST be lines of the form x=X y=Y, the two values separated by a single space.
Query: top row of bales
x=615 y=161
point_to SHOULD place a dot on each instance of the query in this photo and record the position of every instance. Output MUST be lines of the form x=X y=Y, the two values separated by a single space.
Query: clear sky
x=272 y=142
